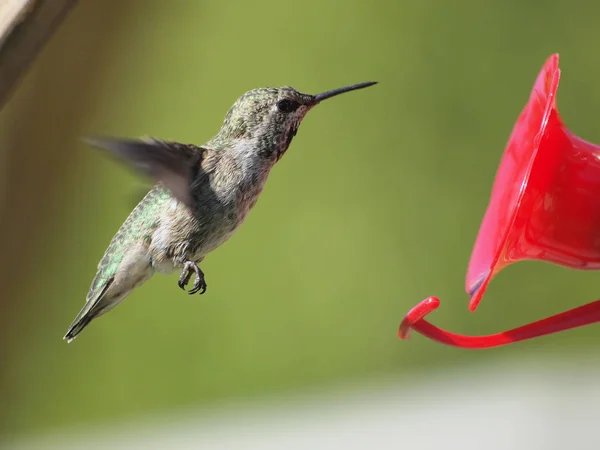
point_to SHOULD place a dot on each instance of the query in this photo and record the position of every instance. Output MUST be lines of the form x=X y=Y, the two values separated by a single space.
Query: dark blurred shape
x=171 y=163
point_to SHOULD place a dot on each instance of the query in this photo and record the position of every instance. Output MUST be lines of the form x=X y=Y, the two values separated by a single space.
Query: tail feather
x=78 y=325
x=89 y=312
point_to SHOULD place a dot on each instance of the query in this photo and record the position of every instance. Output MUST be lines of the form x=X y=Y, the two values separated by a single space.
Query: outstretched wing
x=173 y=164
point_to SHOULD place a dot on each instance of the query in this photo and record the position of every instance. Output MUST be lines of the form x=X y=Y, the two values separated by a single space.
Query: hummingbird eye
x=287 y=106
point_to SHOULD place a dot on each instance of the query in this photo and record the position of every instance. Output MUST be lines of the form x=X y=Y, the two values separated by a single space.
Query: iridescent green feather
x=139 y=226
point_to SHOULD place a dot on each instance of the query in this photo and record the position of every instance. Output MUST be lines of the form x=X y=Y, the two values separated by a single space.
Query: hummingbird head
x=268 y=118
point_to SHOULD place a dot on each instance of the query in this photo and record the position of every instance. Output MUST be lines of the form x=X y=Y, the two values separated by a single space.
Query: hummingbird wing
x=173 y=164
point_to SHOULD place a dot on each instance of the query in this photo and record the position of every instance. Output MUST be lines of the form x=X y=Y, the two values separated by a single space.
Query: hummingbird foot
x=190 y=268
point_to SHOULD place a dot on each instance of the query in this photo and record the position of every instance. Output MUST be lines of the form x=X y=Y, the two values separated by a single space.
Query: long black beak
x=325 y=95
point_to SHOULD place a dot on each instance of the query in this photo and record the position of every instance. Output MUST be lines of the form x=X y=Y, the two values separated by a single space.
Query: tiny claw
x=199 y=285
x=185 y=276
x=574 y=318
x=182 y=283
x=190 y=268
x=201 y=288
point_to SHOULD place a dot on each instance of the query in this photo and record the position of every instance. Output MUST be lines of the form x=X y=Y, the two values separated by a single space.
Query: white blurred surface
x=516 y=406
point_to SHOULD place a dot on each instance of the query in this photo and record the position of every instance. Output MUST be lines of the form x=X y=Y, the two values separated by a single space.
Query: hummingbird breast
x=222 y=204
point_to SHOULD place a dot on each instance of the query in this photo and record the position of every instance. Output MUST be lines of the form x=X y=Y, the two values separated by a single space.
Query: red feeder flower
x=545 y=205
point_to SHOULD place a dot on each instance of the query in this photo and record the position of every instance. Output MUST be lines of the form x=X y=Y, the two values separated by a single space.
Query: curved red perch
x=574 y=318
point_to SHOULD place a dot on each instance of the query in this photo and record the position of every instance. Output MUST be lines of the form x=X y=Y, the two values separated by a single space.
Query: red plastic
x=545 y=205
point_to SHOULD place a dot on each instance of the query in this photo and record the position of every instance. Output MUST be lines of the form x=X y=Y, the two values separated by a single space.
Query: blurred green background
x=375 y=206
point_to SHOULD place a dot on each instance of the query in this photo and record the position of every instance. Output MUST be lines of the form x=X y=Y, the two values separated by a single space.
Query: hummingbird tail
x=91 y=310
x=78 y=325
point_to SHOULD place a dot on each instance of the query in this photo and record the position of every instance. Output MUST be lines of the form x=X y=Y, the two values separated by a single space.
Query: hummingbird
x=201 y=197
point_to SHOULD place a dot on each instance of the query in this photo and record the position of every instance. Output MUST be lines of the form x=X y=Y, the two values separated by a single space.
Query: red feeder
x=545 y=205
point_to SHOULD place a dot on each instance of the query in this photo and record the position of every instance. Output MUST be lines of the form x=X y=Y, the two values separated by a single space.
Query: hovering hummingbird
x=203 y=194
